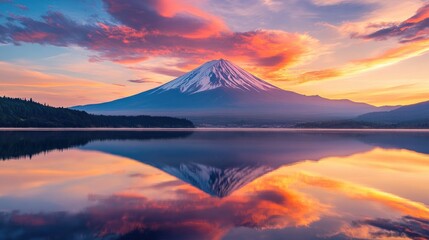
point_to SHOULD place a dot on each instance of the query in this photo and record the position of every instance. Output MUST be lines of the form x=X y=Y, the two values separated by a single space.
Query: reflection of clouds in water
x=268 y=203
x=407 y=226
x=193 y=216
x=402 y=161
x=351 y=190
x=351 y=180
x=414 y=226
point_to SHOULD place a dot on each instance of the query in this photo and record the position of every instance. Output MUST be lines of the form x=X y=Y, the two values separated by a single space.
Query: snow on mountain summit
x=218 y=93
x=215 y=74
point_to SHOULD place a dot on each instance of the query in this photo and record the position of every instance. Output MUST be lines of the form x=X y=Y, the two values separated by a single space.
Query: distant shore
x=212 y=129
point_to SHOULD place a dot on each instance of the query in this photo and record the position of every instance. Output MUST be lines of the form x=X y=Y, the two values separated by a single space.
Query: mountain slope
x=220 y=93
x=407 y=117
x=411 y=113
x=216 y=74
x=15 y=112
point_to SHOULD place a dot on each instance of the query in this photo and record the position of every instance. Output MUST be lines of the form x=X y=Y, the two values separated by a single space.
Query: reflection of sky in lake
x=271 y=185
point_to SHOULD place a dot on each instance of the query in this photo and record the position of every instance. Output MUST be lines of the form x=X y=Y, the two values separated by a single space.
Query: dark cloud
x=54 y=29
x=161 y=70
x=58 y=225
x=137 y=175
x=141 y=80
x=412 y=227
x=172 y=183
x=413 y=29
x=272 y=196
x=3 y=35
x=137 y=81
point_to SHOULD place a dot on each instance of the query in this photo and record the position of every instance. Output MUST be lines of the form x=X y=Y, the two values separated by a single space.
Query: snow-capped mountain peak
x=215 y=74
x=218 y=93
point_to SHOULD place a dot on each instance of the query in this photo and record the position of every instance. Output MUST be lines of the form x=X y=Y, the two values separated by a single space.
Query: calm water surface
x=214 y=185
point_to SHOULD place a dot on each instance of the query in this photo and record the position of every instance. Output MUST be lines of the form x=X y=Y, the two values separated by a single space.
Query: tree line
x=16 y=112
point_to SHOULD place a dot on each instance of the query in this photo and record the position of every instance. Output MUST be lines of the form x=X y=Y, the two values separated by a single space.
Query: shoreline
x=220 y=129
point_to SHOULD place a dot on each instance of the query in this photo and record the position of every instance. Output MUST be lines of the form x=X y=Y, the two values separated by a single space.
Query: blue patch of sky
x=337 y=13
x=78 y=10
x=288 y=15
x=29 y=51
x=53 y=59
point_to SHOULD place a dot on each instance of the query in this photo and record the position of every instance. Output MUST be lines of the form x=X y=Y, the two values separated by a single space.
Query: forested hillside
x=15 y=112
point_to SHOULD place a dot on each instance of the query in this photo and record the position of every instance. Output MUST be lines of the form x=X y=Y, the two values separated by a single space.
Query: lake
x=214 y=184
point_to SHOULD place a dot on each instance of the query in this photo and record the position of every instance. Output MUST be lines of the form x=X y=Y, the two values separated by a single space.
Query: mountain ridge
x=414 y=116
x=219 y=93
x=413 y=112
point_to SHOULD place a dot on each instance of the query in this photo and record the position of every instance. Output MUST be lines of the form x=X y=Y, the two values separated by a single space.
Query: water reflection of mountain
x=19 y=144
x=218 y=163
x=413 y=141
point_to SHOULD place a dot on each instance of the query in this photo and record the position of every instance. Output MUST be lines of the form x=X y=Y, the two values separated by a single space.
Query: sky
x=73 y=52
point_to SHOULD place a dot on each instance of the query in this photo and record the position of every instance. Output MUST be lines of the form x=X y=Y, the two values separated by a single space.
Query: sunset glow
x=126 y=194
x=69 y=53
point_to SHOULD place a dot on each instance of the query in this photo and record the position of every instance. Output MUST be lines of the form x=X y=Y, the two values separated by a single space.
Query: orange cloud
x=422 y=14
x=320 y=74
x=386 y=58
x=18 y=81
x=170 y=9
x=412 y=34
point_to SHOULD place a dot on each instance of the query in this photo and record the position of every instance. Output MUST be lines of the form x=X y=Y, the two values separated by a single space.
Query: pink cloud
x=21 y=6
x=196 y=215
x=166 y=17
x=157 y=28
x=413 y=36
x=415 y=28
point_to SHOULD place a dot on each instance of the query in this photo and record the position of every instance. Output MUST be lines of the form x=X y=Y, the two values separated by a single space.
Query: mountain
x=221 y=93
x=216 y=74
x=415 y=113
x=15 y=112
x=408 y=117
x=343 y=124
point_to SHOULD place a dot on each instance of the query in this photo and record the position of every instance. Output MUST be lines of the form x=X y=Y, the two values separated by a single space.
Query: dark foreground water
x=214 y=185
